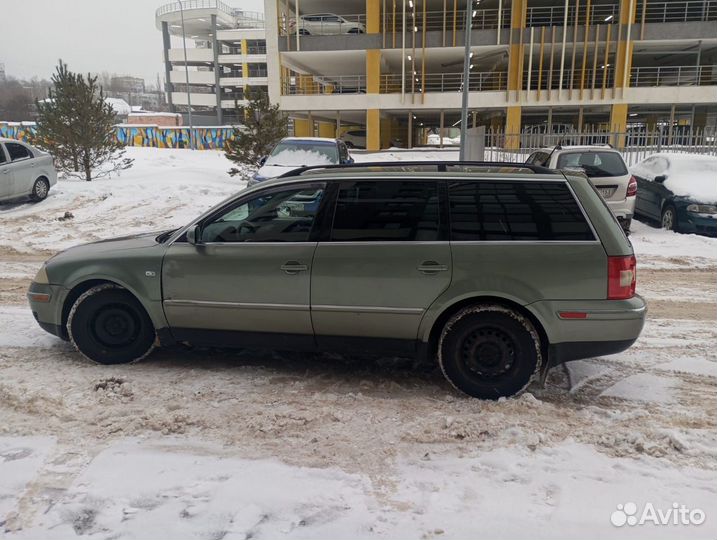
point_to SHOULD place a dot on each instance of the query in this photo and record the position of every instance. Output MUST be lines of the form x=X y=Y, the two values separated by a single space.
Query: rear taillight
x=632 y=187
x=621 y=277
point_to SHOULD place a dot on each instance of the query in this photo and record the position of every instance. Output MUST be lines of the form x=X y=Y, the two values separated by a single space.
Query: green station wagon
x=498 y=271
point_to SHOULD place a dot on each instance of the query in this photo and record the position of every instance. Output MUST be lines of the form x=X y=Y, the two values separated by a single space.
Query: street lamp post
x=466 y=79
x=186 y=71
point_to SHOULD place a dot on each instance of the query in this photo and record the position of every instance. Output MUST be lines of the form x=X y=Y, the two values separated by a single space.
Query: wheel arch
x=452 y=309
x=78 y=289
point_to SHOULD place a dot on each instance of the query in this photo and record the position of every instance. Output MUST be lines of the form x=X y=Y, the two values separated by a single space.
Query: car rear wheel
x=669 y=218
x=40 y=189
x=109 y=326
x=489 y=351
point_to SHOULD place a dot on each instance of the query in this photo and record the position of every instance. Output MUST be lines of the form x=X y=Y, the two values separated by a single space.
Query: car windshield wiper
x=162 y=238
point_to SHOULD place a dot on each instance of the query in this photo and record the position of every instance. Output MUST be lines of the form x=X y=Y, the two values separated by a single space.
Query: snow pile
x=165 y=188
x=688 y=175
x=659 y=248
x=299 y=158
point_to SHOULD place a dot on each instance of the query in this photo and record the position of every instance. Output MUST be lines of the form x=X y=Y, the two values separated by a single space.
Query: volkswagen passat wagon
x=497 y=272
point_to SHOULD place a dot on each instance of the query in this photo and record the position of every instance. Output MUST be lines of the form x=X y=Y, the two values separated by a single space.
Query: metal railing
x=555 y=15
x=550 y=80
x=678 y=11
x=345 y=84
x=242 y=18
x=636 y=143
x=445 y=82
x=439 y=20
x=673 y=76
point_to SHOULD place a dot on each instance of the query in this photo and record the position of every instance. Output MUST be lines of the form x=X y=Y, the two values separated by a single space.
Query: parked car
x=679 y=191
x=294 y=152
x=25 y=171
x=497 y=271
x=604 y=166
x=326 y=24
x=355 y=138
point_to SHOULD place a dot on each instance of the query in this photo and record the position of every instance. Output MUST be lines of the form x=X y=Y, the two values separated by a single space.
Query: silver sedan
x=25 y=171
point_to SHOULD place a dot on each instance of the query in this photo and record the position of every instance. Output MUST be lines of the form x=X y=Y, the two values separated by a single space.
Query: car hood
x=114 y=245
x=274 y=171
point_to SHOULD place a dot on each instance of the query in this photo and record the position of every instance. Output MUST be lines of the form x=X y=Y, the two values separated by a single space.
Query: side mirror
x=262 y=161
x=660 y=179
x=194 y=235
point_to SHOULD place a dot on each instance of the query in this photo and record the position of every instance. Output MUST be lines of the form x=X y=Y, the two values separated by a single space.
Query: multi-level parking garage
x=225 y=56
x=394 y=68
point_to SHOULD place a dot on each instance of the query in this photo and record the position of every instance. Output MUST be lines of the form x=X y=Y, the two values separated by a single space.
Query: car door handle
x=6 y=171
x=294 y=267
x=432 y=267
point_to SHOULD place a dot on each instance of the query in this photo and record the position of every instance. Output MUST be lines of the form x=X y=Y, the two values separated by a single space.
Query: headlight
x=41 y=276
x=702 y=208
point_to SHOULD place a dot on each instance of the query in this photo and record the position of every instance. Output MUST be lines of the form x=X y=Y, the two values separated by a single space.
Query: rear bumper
x=609 y=326
x=624 y=209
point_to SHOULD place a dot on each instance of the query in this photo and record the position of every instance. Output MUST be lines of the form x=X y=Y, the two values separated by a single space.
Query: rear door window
x=595 y=164
x=17 y=151
x=386 y=211
x=515 y=211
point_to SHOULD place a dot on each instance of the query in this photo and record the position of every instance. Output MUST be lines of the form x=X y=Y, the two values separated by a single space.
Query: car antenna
x=558 y=146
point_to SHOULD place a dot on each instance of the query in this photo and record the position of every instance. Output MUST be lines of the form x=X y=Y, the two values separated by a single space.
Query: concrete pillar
x=327 y=129
x=516 y=51
x=373 y=16
x=217 y=68
x=512 y=128
x=618 y=123
x=373 y=86
x=168 y=86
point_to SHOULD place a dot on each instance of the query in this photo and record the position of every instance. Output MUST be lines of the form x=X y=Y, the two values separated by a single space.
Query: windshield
x=300 y=153
x=595 y=164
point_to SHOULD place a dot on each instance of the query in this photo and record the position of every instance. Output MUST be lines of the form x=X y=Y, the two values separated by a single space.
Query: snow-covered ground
x=251 y=444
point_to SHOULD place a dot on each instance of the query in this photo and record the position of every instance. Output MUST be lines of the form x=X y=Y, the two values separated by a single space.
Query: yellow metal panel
x=301 y=128
x=327 y=129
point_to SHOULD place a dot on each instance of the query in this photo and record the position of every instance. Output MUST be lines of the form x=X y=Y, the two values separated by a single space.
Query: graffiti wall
x=205 y=138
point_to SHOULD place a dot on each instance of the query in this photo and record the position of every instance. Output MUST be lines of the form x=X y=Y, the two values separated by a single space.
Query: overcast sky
x=118 y=36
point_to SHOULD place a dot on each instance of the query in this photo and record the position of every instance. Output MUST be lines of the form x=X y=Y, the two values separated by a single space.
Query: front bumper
x=609 y=326
x=46 y=304
x=698 y=224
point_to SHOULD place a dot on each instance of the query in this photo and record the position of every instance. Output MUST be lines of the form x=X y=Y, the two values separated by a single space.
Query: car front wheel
x=489 y=351
x=669 y=218
x=109 y=326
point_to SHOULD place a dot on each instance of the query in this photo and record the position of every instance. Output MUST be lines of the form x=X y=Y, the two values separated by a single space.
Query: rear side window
x=595 y=164
x=2 y=155
x=17 y=151
x=505 y=211
x=386 y=211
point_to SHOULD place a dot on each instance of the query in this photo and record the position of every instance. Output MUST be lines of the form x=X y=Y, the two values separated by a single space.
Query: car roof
x=6 y=140
x=309 y=139
x=593 y=147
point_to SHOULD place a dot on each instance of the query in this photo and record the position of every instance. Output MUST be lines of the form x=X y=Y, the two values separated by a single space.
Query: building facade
x=225 y=57
x=536 y=66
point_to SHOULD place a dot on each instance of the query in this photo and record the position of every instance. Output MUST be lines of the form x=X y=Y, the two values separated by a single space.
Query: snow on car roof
x=688 y=175
x=309 y=139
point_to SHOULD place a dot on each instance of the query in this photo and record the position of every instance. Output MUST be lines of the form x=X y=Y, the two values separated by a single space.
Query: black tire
x=489 y=351
x=40 y=189
x=303 y=32
x=668 y=220
x=109 y=326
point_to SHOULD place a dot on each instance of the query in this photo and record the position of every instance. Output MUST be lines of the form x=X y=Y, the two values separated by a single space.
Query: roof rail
x=441 y=166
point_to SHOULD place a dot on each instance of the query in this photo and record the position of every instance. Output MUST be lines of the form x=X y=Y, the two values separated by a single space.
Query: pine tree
x=77 y=127
x=264 y=126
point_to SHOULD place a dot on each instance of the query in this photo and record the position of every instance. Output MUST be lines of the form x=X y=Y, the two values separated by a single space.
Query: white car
x=294 y=152
x=25 y=171
x=326 y=24
x=355 y=138
x=604 y=166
